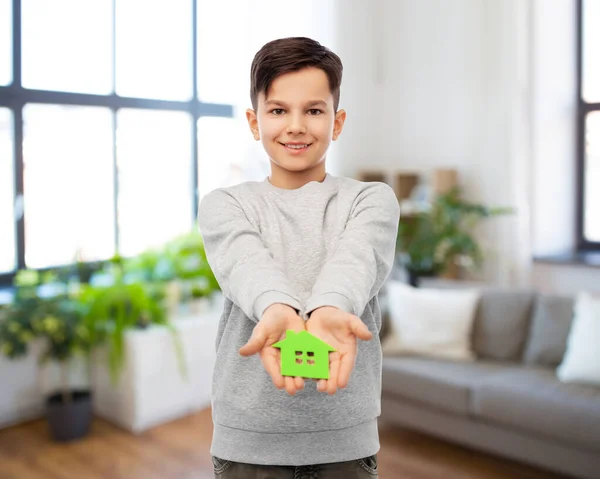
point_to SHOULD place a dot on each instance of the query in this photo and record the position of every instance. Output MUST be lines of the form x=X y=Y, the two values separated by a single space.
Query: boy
x=300 y=250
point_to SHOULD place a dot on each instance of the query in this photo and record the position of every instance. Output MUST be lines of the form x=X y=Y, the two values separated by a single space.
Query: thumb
x=360 y=329
x=255 y=343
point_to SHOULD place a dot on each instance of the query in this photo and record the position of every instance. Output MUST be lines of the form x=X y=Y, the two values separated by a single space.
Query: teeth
x=297 y=147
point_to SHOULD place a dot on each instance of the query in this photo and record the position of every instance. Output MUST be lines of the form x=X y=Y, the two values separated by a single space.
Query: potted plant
x=141 y=373
x=179 y=270
x=118 y=300
x=195 y=278
x=57 y=322
x=430 y=241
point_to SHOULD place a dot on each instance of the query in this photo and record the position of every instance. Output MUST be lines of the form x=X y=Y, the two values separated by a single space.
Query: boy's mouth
x=296 y=148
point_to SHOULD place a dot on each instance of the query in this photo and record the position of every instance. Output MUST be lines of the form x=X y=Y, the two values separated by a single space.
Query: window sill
x=583 y=258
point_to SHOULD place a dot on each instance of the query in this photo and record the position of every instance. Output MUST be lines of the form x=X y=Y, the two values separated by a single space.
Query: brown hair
x=292 y=54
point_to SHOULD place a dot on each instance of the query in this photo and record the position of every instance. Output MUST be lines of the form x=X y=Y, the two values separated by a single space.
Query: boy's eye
x=277 y=111
x=315 y=111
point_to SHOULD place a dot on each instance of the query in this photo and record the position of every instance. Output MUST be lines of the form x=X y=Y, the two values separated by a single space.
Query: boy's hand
x=340 y=330
x=276 y=320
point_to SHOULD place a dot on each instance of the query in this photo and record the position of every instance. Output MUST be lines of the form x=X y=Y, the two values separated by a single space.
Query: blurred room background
x=117 y=116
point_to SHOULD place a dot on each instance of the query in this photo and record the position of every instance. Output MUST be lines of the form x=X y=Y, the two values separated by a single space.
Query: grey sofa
x=509 y=401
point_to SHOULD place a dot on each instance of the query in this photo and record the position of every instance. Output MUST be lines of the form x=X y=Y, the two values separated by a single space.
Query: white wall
x=451 y=73
x=432 y=83
x=358 y=45
x=565 y=279
x=484 y=86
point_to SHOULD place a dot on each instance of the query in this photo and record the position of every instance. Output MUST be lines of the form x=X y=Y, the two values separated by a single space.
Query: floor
x=180 y=450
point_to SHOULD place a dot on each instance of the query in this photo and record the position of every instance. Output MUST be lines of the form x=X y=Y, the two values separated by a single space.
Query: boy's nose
x=295 y=125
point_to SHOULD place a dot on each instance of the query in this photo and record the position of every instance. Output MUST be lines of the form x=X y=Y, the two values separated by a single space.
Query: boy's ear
x=253 y=123
x=338 y=123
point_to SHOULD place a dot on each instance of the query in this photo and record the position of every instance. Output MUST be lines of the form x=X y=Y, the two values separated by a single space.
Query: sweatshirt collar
x=310 y=187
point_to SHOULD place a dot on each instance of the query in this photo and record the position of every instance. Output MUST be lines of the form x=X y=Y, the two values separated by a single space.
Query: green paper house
x=304 y=355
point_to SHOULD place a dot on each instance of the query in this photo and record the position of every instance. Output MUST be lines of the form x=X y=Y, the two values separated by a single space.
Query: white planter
x=200 y=306
x=151 y=389
x=20 y=397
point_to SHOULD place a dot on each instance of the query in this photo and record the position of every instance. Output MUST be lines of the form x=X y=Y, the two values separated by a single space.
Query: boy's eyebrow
x=309 y=104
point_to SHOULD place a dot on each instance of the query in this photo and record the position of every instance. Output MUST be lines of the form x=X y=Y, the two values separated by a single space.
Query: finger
x=290 y=385
x=271 y=365
x=334 y=371
x=322 y=385
x=299 y=382
x=360 y=329
x=255 y=343
x=346 y=366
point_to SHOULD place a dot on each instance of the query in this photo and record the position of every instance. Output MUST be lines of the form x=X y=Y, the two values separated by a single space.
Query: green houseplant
x=178 y=270
x=118 y=301
x=430 y=241
x=194 y=280
x=58 y=323
x=71 y=318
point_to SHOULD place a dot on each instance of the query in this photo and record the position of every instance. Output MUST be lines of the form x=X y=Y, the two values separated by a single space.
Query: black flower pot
x=69 y=420
x=414 y=277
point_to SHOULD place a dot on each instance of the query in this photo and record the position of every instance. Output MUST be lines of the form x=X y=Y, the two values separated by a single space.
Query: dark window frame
x=583 y=108
x=15 y=97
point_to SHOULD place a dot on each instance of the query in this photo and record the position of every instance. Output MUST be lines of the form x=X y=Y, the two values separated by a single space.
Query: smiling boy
x=300 y=250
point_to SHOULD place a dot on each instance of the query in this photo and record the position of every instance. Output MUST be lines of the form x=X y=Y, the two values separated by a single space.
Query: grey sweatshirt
x=328 y=243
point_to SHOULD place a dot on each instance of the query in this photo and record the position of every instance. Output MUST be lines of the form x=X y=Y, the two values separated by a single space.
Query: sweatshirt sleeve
x=241 y=263
x=364 y=254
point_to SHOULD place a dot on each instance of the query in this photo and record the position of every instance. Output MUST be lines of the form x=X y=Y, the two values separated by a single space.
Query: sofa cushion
x=442 y=384
x=533 y=400
x=550 y=326
x=502 y=323
x=581 y=363
x=428 y=322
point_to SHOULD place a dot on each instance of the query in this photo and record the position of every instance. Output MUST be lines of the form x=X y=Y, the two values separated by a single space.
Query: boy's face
x=296 y=123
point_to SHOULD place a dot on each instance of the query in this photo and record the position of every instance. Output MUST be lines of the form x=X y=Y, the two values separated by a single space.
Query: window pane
x=68 y=183
x=8 y=255
x=223 y=162
x=222 y=71
x=154 y=49
x=154 y=158
x=592 y=179
x=591 y=56
x=5 y=42
x=67 y=45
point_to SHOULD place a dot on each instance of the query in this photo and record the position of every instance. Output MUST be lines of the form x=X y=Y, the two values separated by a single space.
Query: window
x=67 y=158
x=100 y=137
x=5 y=42
x=155 y=62
x=7 y=197
x=589 y=126
x=51 y=57
x=154 y=162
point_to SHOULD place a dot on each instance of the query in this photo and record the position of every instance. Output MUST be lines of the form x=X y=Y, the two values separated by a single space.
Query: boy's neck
x=292 y=180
